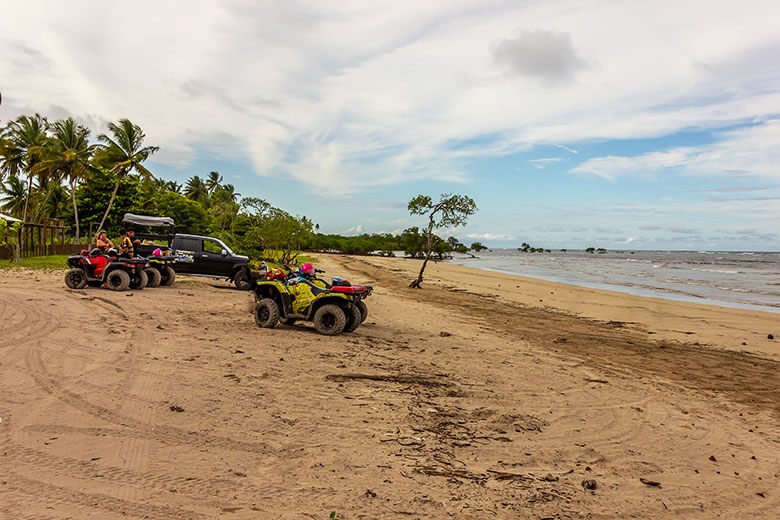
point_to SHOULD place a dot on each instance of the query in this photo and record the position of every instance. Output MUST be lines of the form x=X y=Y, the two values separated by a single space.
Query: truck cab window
x=189 y=244
x=212 y=247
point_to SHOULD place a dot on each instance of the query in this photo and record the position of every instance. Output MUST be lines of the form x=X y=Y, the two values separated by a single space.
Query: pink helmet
x=307 y=268
x=157 y=252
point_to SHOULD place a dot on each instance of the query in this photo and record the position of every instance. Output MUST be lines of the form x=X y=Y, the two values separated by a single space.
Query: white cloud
x=751 y=150
x=354 y=230
x=546 y=161
x=570 y=150
x=490 y=236
x=351 y=94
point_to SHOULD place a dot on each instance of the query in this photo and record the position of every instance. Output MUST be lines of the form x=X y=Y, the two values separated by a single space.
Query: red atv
x=106 y=268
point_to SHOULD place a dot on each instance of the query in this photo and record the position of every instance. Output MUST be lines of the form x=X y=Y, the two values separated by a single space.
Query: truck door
x=213 y=260
x=189 y=251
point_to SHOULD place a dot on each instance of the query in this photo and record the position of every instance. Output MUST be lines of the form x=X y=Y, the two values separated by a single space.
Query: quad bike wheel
x=266 y=313
x=118 y=280
x=353 y=319
x=75 y=278
x=168 y=276
x=139 y=280
x=154 y=277
x=329 y=320
x=363 y=311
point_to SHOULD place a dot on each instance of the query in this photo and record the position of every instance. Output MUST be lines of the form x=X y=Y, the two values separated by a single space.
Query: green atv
x=290 y=299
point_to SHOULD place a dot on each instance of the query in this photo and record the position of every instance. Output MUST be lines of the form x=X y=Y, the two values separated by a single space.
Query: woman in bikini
x=103 y=242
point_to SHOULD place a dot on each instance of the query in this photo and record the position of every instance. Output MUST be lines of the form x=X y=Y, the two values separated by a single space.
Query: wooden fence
x=41 y=240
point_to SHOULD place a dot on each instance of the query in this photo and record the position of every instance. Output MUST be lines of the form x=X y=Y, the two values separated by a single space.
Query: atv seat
x=314 y=289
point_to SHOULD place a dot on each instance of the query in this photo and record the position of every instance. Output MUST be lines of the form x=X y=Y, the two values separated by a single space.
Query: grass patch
x=58 y=262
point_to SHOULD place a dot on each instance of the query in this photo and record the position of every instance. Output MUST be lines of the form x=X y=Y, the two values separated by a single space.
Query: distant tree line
x=527 y=248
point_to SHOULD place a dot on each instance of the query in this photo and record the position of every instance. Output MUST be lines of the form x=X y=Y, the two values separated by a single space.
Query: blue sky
x=628 y=124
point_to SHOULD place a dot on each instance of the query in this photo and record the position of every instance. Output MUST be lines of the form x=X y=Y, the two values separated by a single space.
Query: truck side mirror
x=224 y=252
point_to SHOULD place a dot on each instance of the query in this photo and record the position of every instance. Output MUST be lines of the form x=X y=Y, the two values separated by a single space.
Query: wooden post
x=18 y=244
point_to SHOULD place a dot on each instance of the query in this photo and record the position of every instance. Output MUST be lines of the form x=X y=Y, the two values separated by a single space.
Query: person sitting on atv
x=125 y=243
x=307 y=270
x=103 y=243
x=133 y=240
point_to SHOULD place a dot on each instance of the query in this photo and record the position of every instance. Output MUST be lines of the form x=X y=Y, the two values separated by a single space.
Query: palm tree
x=125 y=146
x=172 y=186
x=226 y=193
x=27 y=135
x=197 y=190
x=213 y=181
x=56 y=201
x=69 y=156
x=148 y=191
x=14 y=191
x=5 y=152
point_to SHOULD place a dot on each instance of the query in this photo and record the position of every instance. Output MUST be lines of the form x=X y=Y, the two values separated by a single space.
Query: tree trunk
x=75 y=211
x=27 y=199
x=110 y=203
x=416 y=283
x=19 y=244
x=42 y=208
x=24 y=215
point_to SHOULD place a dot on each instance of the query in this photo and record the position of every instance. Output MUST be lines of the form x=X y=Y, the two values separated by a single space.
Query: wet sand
x=469 y=398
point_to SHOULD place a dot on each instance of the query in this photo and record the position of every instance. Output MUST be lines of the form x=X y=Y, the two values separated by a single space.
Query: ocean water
x=748 y=280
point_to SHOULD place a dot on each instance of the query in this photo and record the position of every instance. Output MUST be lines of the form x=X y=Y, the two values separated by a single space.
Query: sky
x=621 y=124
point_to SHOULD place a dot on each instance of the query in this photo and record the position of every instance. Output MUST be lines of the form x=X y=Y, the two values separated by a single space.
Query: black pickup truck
x=193 y=254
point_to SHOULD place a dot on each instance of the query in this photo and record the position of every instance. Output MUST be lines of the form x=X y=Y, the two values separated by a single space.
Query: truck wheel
x=76 y=278
x=168 y=276
x=139 y=280
x=353 y=318
x=329 y=319
x=154 y=277
x=118 y=280
x=363 y=311
x=266 y=313
x=242 y=280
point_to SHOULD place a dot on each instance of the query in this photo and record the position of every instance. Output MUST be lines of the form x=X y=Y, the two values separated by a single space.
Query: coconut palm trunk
x=24 y=220
x=27 y=199
x=75 y=210
x=110 y=203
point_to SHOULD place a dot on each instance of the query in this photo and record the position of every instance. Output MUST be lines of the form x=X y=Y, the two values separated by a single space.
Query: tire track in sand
x=58 y=496
x=161 y=433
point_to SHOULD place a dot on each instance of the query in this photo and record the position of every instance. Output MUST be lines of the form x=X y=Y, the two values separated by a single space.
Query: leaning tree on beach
x=450 y=211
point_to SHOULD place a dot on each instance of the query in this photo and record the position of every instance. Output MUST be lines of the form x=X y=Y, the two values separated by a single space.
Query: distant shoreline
x=741 y=280
x=645 y=292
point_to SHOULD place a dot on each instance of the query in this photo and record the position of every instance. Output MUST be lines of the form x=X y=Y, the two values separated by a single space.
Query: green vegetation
x=51 y=171
x=37 y=262
x=527 y=248
x=592 y=250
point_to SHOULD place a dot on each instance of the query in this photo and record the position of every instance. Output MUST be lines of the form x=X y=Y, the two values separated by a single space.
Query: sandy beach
x=482 y=395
